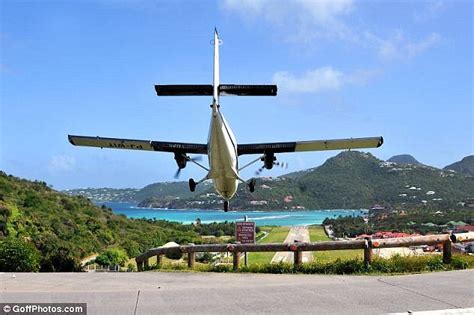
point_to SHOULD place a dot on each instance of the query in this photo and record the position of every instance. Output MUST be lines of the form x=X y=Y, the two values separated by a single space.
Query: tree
x=131 y=247
x=16 y=255
x=112 y=257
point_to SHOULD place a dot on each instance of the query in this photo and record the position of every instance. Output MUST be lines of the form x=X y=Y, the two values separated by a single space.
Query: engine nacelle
x=180 y=159
x=268 y=160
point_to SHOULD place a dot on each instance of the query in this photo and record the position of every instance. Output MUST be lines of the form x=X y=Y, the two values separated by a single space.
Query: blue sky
x=399 y=69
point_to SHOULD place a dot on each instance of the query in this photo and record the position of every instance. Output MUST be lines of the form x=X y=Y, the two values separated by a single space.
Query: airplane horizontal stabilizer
x=247 y=90
x=184 y=90
x=207 y=90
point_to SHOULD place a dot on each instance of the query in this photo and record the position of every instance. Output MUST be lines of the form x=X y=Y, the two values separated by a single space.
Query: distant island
x=350 y=180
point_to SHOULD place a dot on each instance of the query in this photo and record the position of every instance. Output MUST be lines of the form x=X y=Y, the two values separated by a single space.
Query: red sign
x=245 y=232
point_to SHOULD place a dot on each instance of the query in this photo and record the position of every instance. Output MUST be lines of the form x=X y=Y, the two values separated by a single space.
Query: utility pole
x=245 y=257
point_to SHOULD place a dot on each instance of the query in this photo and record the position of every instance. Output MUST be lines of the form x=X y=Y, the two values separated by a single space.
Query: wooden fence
x=298 y=248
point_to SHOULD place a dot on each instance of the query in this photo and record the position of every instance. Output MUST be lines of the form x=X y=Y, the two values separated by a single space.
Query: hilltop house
x=376 y=210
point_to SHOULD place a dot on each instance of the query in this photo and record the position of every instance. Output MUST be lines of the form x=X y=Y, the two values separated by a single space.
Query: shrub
x=112 y=257
x=461 y=262
x=131 y=267
x=204 y=257
x=221 y=268
x=177 y=254
x=16 y=255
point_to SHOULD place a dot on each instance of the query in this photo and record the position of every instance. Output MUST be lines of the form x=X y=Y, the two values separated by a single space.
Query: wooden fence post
x=139 y=266
x=298 y=257
x=447 y=252
x=146 y=264
x=368 y=252
x=191 y=259
x=235 y=260
x=158 y=260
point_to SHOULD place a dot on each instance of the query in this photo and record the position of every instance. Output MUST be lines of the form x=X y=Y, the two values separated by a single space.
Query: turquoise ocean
x=186 y=216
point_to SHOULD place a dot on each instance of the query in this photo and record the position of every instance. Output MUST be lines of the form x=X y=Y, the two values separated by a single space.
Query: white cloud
x=304 y=19
x=321 y=79
x=62 y=163
x=399 y=47
x=416 y=48
x=315 y=80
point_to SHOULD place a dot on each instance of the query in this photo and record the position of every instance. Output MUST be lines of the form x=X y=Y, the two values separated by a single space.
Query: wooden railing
x=298 y=248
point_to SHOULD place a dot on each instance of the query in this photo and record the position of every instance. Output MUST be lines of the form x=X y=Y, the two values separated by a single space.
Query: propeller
x=194 y=159
x=280 y=164
x=178 y=171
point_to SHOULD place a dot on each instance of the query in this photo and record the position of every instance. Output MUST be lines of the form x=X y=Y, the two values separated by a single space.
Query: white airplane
x=222 y=148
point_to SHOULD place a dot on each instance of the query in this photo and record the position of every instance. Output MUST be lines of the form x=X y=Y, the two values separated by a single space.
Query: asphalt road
x=296 y=233
x=220 y=293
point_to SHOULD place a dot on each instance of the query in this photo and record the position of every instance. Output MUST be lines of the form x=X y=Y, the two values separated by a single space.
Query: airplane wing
x=315 y=145
x=146 y=145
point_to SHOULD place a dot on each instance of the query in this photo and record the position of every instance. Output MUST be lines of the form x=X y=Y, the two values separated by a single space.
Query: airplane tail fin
x=216 y=78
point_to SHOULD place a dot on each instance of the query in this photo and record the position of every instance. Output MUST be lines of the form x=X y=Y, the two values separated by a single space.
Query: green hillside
x=170 y=190
x=355 y=179
x=465 y=166
x=65 y=229
x=351 y=179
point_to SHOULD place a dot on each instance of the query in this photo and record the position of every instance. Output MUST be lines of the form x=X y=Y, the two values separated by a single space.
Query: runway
x=296 y=233
x=220 y=293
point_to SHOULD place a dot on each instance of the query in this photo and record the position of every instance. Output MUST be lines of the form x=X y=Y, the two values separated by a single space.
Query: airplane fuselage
x=222 y=153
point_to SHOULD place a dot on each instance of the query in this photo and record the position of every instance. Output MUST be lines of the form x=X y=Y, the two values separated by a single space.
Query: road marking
x=457 y=311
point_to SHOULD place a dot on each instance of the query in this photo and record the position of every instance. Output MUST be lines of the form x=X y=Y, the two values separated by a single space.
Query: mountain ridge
x=404 y=159
x=351 y=179
x=465 y=166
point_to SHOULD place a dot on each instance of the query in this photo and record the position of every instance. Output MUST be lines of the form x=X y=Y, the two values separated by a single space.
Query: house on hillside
x=455 y=224
x=464 y=229
x=376 y=210
x=385 y=234
x=469 y=203
x=288 y=199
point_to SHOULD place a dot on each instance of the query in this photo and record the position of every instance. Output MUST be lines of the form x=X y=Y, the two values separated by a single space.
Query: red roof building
x=464 y=229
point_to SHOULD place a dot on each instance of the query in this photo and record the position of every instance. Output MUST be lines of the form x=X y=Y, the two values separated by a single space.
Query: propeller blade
x=176 y=175
x=196 y=158
x=281 y=164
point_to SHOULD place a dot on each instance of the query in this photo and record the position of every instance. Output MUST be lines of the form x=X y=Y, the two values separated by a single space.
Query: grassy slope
x=316 y=234
x=66 y=229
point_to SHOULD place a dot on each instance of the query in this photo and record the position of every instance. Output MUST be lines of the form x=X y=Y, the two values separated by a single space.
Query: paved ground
x=300 y=234
x=220 y=293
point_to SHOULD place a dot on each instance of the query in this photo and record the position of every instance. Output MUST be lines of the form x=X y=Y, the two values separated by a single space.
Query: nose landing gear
x=252 y=185
x=192 y=185
x=226 y=205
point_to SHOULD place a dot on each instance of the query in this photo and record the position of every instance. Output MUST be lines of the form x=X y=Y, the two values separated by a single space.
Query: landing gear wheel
x=192 y=185
x=252 y=185
x=226 y=206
